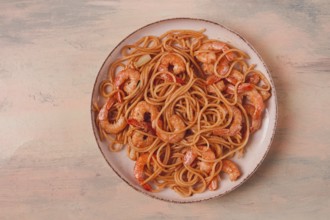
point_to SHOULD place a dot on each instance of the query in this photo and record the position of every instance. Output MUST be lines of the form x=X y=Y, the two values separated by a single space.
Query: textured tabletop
x=50 y=54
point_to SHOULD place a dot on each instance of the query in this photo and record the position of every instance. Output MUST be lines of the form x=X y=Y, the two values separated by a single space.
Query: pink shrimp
x=214 y=184
x=254 y=98
x=129 y=78
x=216 y=81
x=241 y=88
x=234 y=77
x=222 y=67
x=253 y=78
x=230 y=56
x=189 y=157
x=112 y=128
x=219 y=85
x=213 y=47
x=264 y=94
x=231 y=169
x=145 y=112
x=141 y=140
x=171 y=62
x=207 y=154
x=235 y=126
x=142 y=117
x=174 y=137
x=139 y=171
x=145 y=126
x=210 y=57
x=249 y=109
x=212 y=79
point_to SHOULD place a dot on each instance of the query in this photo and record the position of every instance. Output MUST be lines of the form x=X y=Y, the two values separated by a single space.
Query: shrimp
x=214 y=47
x=220 y=85
x=103 y=117
x=212 y=79
x=145 y=112
x=171 y=62
x=178 y=125
x=234 y=77
x=214 y=184
x=217 y=81
x=253 y=78
x=141 y=140
x=222 y=67
x=254 y=98
x=208 y=154
x=241 y=88
x=138 y=171
x=145 y=126
x=231 y=169
x=249 y=109
x=210 y=57
x=142 y=117
x=265 y=94
x=235 y=126
x=206 y=58
x=129 y=78
x=189 y=157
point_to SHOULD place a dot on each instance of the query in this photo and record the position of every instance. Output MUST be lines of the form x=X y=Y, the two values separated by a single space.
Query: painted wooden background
x=50 y=53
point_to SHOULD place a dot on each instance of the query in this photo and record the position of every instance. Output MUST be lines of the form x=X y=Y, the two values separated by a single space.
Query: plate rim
x=274 y=94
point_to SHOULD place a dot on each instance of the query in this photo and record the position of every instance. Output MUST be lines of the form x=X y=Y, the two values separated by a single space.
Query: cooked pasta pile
x=182 y=105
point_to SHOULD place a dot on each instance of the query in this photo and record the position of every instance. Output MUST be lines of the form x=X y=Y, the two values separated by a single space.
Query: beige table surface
x=50 y=165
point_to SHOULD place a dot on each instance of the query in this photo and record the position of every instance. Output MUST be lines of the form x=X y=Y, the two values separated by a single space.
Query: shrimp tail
x=147 y=187
x=140 y=179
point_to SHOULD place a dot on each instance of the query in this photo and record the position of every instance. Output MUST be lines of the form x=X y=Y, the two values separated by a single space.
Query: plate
x=259 y=143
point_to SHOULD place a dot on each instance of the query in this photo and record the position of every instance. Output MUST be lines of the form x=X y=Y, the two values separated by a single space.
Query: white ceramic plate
x=259 y=143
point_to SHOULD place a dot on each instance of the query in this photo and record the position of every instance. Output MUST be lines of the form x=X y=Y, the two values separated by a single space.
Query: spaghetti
x=183 y=105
